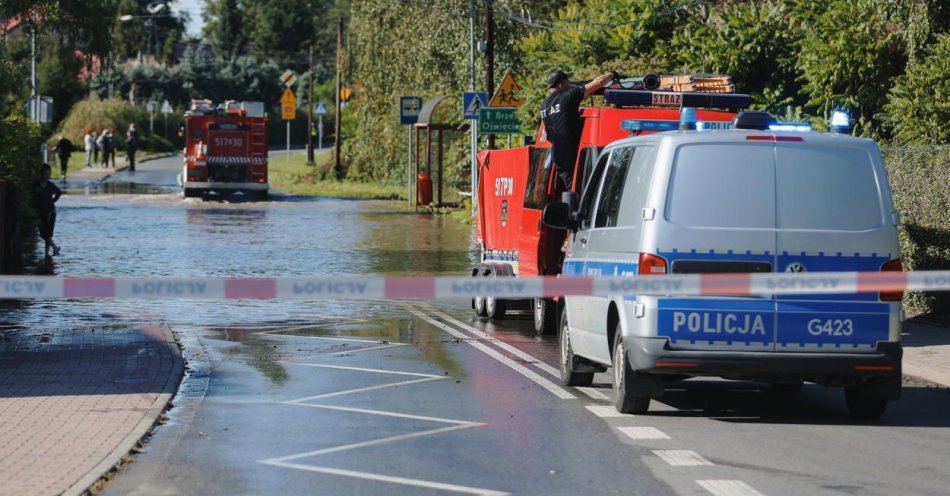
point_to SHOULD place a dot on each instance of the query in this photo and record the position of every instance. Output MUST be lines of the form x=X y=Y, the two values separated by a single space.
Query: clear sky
x=194 y=9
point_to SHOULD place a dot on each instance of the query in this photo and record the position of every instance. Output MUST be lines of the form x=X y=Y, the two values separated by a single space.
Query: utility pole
x=338 y=164
x=310 y=111
x=474 y=123
x=34 y=89
x=490 y=58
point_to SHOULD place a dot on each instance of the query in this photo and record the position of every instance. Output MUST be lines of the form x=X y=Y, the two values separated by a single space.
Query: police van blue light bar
x=639 y=126
x=627 y=98
x=799 y=127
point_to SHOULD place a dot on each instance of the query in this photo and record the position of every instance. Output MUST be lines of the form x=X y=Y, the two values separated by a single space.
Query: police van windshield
x=768 y=187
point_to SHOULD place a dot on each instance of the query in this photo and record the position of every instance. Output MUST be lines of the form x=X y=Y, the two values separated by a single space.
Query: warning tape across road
x=446 y=288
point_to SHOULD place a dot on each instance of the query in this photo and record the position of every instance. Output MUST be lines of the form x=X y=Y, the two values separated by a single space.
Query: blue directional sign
x=472 y=102
x=320 y=108
x=409 y=109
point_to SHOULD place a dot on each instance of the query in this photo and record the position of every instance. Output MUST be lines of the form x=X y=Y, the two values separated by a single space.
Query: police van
x=761 y=197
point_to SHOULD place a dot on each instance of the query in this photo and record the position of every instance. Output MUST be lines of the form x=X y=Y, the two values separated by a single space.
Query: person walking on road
x=45 y=195
x=64 y=148
x=96 y=146
x=89 y=144
x=560 y=113
x=131 y=142
x=101 y=145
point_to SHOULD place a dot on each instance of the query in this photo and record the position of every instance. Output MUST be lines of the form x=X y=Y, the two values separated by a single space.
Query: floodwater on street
x=164 y=235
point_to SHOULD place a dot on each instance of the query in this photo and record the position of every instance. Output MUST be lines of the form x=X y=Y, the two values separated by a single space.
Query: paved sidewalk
x=927 y=351
x=73 y=403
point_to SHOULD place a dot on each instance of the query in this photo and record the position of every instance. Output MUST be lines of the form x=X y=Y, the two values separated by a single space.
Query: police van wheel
x=192 y=193
x=569 y=375
x=495 y=308
x=545 y=316
x=625 y=381
x=478 y=303
x=862 y=406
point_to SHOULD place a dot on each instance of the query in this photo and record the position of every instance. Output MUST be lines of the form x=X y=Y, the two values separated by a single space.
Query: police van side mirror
x=557 y=215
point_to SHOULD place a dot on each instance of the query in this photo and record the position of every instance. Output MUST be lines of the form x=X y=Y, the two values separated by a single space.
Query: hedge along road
x=349 y=397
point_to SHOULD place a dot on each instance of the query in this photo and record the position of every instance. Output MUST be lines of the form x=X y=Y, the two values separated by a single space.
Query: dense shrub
x=918 y=110
x=920 y=180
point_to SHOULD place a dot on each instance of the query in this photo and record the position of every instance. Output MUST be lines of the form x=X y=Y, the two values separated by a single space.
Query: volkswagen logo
x=795 y=267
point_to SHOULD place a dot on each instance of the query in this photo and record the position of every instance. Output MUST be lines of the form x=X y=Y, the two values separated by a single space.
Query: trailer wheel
x=545 y=316
x=495 y=307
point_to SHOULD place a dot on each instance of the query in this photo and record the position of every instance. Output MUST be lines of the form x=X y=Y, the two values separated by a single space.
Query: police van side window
x=722 y=185
x=637 y=187
x=608 y=207
x=590 y=191
x=827 y=188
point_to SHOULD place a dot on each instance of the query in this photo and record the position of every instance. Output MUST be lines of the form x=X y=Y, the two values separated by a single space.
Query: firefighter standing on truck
x=560 y=113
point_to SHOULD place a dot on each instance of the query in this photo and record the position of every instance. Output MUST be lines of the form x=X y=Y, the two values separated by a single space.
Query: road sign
x=150 y=106
x=472 y=102
x=288 y=78
x=409 y=108
x=320 y=108
x=498 y=121
x=508 y=94
x=346 y=93
x=166 y=107
x=288 y=105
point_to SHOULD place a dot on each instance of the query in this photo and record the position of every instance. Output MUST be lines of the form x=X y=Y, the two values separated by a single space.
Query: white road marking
x=374 y=371
x=388 y=414
x=682 y=458
x=501 y=344
x=374 y=442
x=637 y=433
x=728 y=488
x=364 y=389
x=394 y=480
x=594 y=393
x=517 y=367
x=458 y=425
x=605 y=411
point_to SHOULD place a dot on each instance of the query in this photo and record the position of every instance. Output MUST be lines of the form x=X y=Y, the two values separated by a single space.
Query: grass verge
x=294 y=176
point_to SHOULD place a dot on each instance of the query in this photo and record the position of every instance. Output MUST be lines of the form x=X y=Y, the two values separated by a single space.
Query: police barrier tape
x=378 y=288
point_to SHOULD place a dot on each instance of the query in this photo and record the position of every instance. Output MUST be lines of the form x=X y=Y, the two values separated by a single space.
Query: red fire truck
x=515 y=184
x=225 y=150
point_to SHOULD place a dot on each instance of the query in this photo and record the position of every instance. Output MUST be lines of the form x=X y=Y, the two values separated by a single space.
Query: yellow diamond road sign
x=288 y=105
x=288 y=78
x=508 y=94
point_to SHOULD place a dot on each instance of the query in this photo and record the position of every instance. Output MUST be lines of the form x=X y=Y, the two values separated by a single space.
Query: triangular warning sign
x=474 y=105
x=508 y=94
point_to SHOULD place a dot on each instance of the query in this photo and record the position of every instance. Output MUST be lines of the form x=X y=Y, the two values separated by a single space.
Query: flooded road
x=165 y=235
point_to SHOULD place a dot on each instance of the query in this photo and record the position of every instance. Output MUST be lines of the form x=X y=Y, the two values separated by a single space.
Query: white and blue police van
x=761 y=197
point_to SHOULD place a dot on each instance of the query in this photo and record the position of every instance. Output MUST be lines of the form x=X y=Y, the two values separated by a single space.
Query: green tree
x=58 y=74
x=918 y=108
x=280 y=31
x=224 y=27
x=848 y=65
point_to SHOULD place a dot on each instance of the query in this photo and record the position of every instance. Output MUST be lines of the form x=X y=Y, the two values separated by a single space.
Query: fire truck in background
x=515 y=184
x=225 y=150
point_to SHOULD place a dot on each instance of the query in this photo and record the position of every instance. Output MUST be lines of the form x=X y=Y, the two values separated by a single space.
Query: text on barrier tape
x=443 y=288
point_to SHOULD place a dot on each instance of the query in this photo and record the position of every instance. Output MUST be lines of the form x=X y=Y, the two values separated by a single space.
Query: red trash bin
x=424 y=189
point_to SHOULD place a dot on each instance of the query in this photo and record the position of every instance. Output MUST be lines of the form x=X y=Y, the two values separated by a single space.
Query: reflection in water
x=164 y=235
x=255 y=351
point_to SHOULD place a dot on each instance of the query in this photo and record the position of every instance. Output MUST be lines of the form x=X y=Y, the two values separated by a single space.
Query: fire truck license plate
x=661 y=99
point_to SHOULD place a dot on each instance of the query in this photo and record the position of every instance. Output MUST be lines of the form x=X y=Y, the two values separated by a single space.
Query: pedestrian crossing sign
x=472 y=102
x=320 y=108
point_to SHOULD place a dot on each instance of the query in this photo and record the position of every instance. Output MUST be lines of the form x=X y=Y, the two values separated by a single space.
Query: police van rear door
x=833 y=215
x=718 y=217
